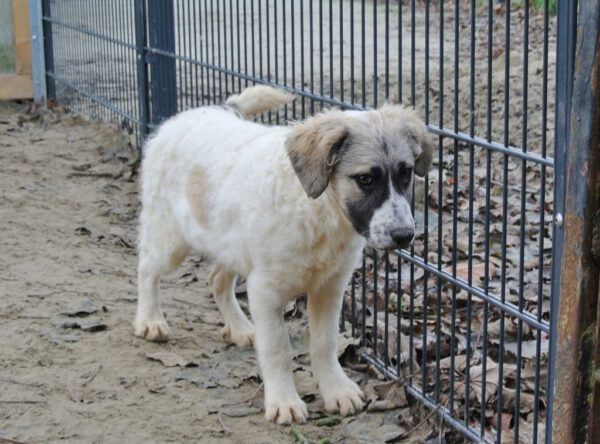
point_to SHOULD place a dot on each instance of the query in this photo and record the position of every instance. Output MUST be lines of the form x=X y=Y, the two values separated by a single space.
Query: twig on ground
x=12 y=441
x=225 y=428
x=24 y=401
x=91 y=378
x=116 y=175
x=27 y=384
x=183 y=301
x=243 y=401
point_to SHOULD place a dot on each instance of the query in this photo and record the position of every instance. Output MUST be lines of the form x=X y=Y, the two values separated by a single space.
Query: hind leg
x=238 y=328
x=161 y=250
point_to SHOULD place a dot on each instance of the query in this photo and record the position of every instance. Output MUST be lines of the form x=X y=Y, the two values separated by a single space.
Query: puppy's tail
x=259 y=99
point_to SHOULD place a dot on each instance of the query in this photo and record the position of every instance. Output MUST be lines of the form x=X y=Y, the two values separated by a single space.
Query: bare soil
x=71 y=369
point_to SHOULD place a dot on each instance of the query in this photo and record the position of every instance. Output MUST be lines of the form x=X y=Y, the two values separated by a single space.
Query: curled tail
x=259 y=99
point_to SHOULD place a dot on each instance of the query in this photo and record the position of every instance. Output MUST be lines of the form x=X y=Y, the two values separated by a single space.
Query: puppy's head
x=367 y=160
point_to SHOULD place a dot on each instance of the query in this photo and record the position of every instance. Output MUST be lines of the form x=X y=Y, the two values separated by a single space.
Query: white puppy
x=290 y=208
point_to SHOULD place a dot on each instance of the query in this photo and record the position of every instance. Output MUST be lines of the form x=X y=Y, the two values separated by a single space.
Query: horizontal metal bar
x=90 y=33
x=416 y=392
x=493 y=146
x=478 y=141
x=94 y=98
x=507 y=307
x=255 y=79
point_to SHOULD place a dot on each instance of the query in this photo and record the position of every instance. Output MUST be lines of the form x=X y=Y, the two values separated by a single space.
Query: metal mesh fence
x=464 y=316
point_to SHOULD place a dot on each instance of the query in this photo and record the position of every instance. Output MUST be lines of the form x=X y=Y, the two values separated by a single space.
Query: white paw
x=286 y=412
x=157 y=331
x=343 y=396
x=241 y=337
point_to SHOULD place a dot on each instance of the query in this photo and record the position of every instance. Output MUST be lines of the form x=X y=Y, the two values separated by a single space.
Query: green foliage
x=552 y=5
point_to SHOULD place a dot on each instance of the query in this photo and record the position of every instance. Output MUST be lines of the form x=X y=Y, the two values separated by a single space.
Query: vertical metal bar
x=253 y=42
x=353 y=296
x=400 y=54
x=541 y=233
x=341 y=43
x=232 y=52
x=363 y=326
x=425 y=307
x=321 y=50
x=197 y=39
x=488 y=193
x=387 y=50
x=386 y=304
x=38 y=64
x=522 y=224
x=331 y=93
x=141 y=66
x=375 y=54
x=161 y=35
x=246 y=38
x=293 y=67
x=239 y=41
x=284 y=44
x=302 y=56
x=213 y=98
x=276 y=50
x=399 y=293
x=219 y=46
x=375 y=297
x=413 y=65
x=312 y=52
x=456 y=69
x=48 y=49
x=469 y=353
x=352 y=96
x=363 y=53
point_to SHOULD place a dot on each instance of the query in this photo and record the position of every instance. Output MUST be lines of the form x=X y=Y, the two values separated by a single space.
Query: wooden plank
x=13 y=86
x=22 y=37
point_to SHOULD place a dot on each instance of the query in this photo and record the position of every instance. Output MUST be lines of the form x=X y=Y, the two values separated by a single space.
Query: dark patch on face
x=402 y=178
x=360 y=211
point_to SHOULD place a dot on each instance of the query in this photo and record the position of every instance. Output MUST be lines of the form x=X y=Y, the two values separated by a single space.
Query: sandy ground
x=70 y=368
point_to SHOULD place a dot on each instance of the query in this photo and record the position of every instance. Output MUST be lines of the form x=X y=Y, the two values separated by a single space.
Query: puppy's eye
x=365 y=180
x=406 y=174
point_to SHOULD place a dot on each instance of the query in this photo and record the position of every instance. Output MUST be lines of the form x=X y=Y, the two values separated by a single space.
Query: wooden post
x=576 y=413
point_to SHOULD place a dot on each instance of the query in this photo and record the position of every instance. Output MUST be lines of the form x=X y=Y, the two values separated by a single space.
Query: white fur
x=258 y=223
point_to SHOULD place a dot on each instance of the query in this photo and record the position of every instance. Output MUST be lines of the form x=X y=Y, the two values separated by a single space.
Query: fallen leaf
x=385 y=396
x=367 y=428
x=83 y=307
x=90 y=325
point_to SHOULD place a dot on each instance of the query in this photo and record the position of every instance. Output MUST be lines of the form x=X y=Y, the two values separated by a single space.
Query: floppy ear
x=412 y=127
x=423 y=144
x=313 y=147
x=423 y=162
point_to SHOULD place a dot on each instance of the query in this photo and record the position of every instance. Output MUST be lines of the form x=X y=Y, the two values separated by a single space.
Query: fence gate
x=469 y=317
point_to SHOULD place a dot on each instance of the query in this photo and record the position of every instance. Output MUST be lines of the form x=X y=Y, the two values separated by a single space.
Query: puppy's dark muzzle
x=402 y=237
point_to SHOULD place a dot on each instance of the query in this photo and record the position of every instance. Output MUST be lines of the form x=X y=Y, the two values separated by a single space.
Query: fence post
x=163 y=82
x=576 y=408
x=37 y=51
x=141 y=68
x=48 y=50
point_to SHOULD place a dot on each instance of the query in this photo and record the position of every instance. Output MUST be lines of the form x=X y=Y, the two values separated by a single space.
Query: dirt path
x=68 y=210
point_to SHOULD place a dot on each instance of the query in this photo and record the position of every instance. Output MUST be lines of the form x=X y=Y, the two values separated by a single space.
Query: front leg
x=339 y=392
x=282 y=402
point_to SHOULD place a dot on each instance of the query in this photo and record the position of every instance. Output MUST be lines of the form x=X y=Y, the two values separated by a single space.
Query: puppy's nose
x=402 y=236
